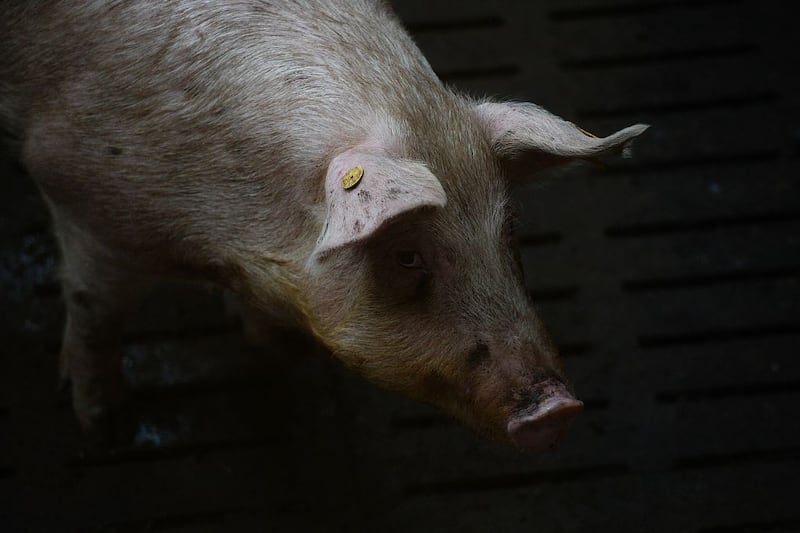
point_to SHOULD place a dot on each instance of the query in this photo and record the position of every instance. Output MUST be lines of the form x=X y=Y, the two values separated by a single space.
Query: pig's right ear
x=527 y=138
x=365 y=192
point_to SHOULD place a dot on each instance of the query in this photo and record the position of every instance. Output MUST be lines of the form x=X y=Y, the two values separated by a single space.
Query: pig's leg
x=97 y=291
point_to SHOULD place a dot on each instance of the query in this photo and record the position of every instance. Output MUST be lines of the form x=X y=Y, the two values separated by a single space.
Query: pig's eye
x=410 y=259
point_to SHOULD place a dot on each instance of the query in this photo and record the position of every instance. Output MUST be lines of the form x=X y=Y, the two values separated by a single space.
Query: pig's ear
x=528 y=138
x=365 y=192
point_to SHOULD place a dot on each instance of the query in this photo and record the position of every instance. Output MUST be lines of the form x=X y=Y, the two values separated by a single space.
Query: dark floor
x=671 y=281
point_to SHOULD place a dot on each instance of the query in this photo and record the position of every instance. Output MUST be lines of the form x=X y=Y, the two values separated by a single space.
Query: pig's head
x=415 y=278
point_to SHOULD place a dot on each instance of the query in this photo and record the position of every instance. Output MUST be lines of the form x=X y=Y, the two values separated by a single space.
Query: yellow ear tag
x=593 y=136
x=352 y=177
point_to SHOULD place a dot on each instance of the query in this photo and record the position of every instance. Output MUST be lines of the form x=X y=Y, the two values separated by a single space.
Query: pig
x=304 y=156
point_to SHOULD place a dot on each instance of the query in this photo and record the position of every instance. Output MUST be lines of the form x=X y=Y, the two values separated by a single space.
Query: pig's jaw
x=541 y=426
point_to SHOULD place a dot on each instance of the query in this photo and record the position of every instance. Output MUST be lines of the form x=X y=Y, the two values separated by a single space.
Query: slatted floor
x=671 y=282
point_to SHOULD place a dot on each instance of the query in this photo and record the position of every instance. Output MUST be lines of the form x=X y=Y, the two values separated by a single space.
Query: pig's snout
x=542 y=426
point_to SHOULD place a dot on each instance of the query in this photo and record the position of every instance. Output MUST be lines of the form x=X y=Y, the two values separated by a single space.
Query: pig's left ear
x=365 y=192
x=528 y=138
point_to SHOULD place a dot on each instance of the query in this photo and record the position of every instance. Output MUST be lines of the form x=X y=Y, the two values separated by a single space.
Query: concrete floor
x=670 y=281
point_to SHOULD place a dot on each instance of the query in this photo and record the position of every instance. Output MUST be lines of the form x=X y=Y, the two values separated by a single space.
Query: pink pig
x=208 y=141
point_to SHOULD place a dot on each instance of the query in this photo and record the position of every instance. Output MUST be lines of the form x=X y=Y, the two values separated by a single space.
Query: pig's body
x=223 y=115
x=206 y=140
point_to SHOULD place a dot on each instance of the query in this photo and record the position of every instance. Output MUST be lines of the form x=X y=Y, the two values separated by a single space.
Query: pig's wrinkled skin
x=206 y=141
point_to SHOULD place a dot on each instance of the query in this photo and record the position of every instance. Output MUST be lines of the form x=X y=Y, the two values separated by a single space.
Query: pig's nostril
x=544 y=428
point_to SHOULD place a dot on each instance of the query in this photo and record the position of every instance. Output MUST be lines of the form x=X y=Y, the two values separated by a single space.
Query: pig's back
x=261 y=62
x=154 y=107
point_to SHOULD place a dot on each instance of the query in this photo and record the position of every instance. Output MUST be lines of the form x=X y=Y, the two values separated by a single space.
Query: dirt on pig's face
x=434 y=305
x=414 y=280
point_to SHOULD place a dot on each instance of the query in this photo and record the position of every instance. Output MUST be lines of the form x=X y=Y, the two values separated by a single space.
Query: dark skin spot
x=393 y=193
x=364 y=196
x=357 y=226
x=479 y=356
x=113 y=150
